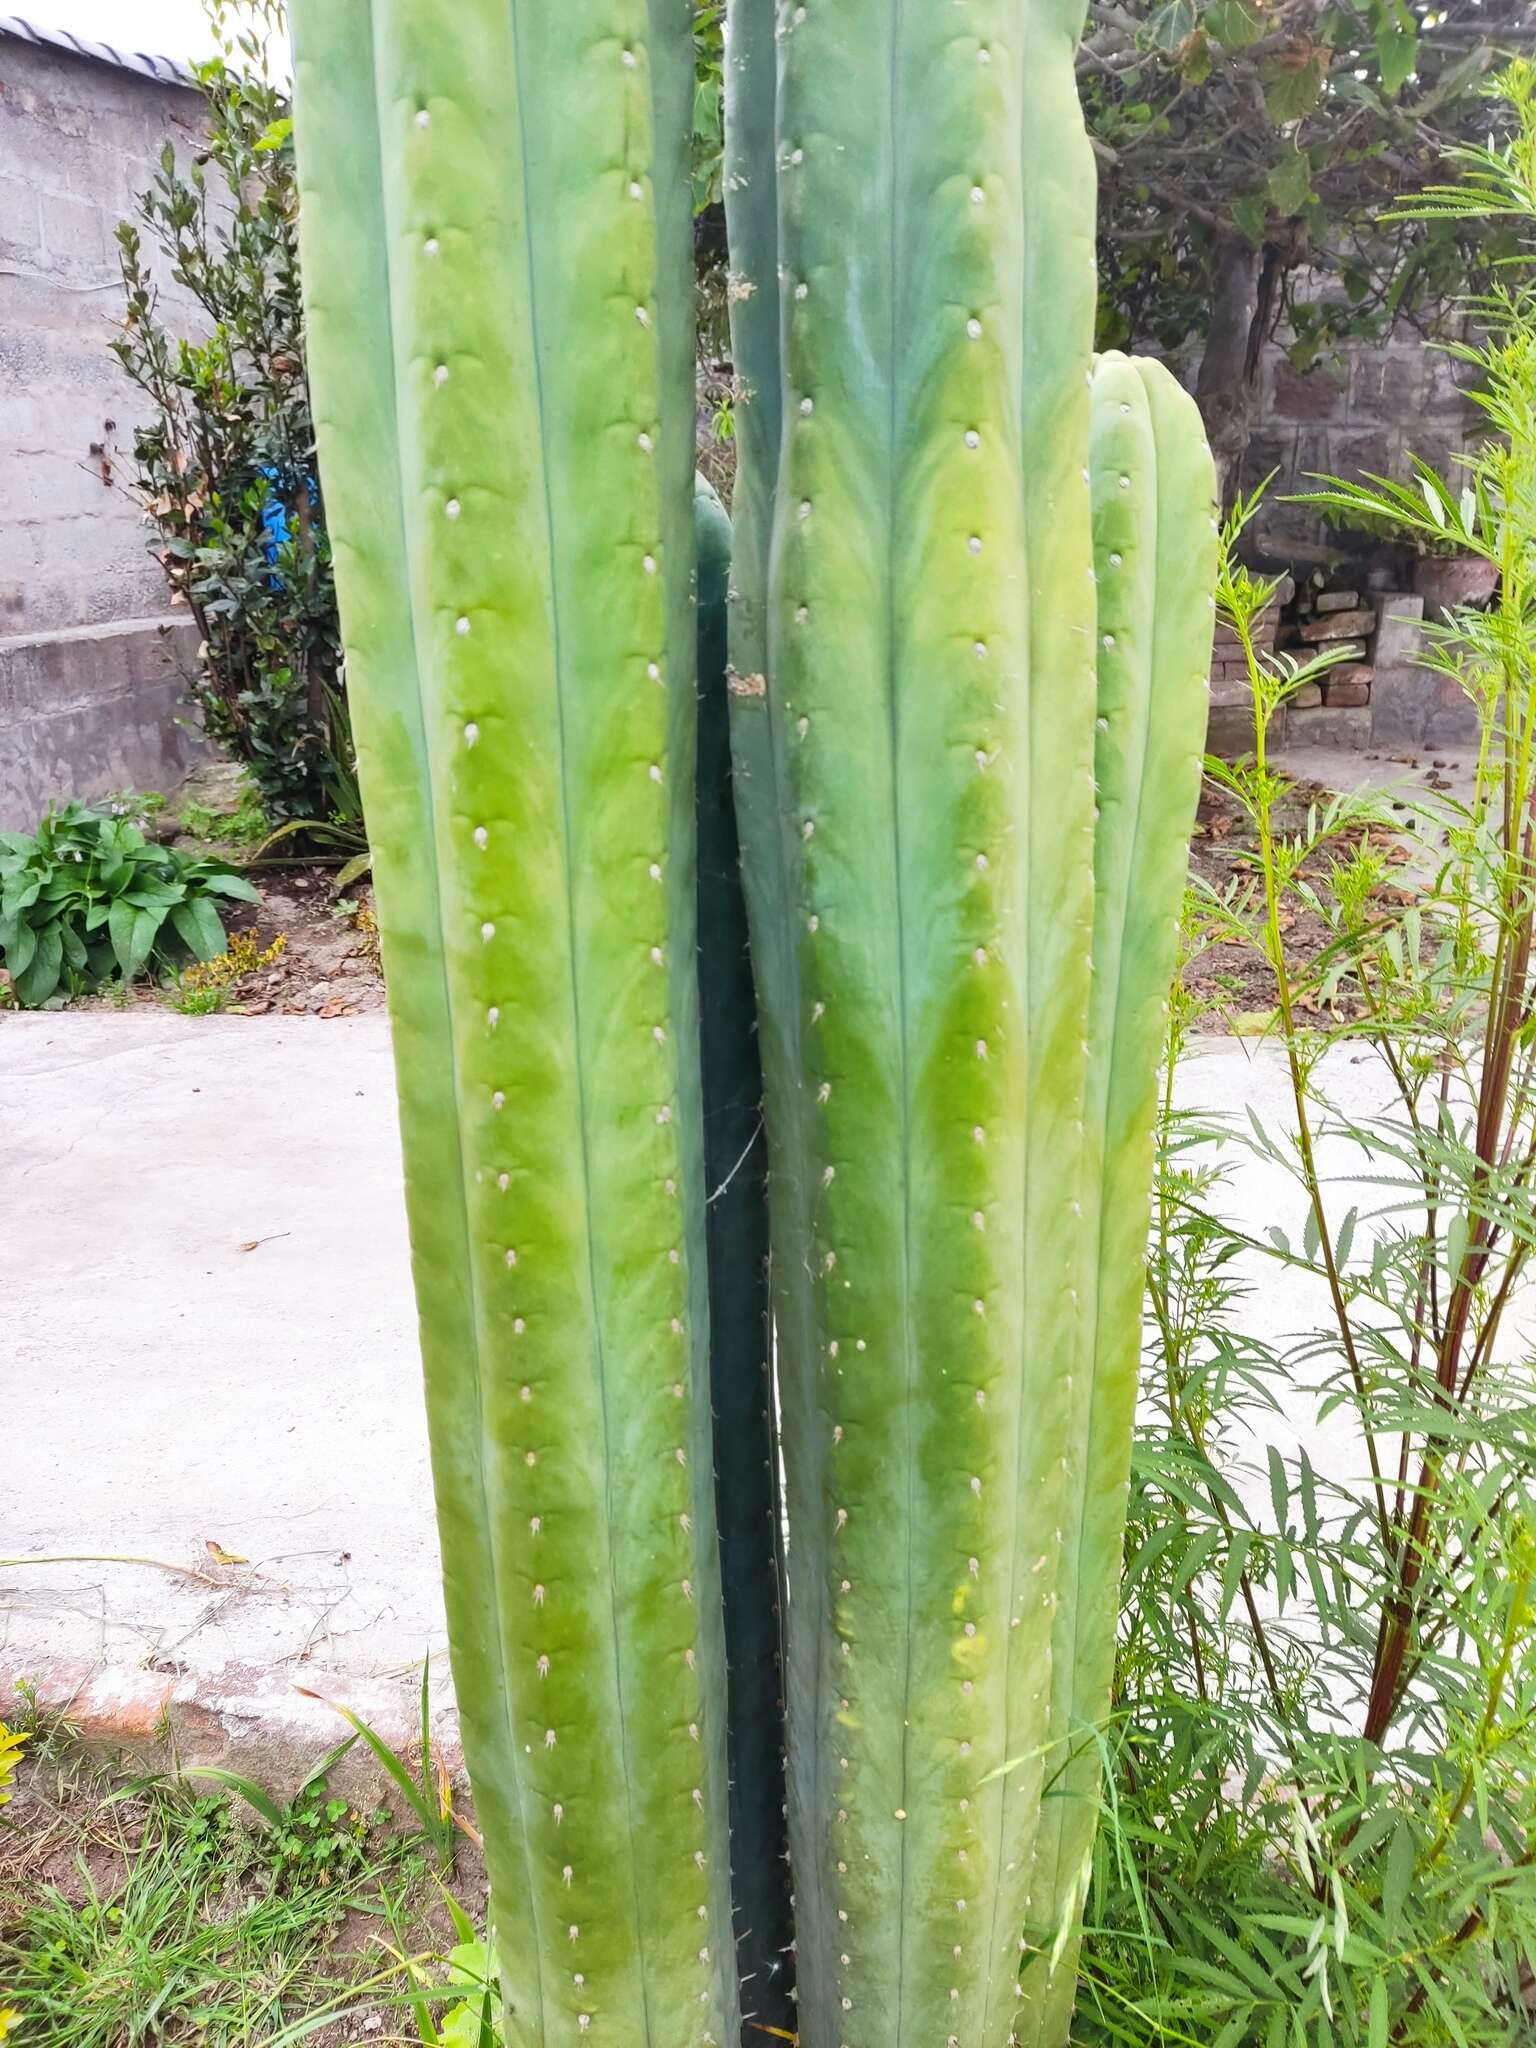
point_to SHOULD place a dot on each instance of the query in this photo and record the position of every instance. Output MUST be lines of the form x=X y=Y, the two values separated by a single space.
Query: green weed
x=171 y=1925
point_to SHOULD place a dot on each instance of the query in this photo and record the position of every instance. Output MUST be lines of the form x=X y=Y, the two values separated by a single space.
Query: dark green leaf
x=42 y=977
x=18 y=954
x=1293 y=81
x=231 y=885
x=1397 y=46
x=1289 y=184
x=1380 y=2014
x=1401 y=1858
x=1279 y=1488
x=1235 y=23
x=199 y=928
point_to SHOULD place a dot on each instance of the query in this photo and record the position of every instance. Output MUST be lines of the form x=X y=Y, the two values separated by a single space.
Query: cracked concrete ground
x=212 y=1366
x=212 y=1355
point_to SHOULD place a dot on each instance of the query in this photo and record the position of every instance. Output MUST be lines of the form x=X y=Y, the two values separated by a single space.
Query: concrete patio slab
x=212 y=1368
x=212 y=1356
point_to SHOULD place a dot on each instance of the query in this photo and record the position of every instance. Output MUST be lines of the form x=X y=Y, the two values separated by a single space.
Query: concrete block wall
x=1373 y=411
x=90 y=688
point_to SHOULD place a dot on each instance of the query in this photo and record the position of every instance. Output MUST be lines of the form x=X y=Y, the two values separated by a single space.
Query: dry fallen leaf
x=220 y=1555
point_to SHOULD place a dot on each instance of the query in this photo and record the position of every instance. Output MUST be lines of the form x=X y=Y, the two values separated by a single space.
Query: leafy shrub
x=87 y=900
x=226 y=457
x=1324 y=1737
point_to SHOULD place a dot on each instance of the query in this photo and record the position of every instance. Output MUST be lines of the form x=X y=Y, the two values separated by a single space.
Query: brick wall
x=90 y=657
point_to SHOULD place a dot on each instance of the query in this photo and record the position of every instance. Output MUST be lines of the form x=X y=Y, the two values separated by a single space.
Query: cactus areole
x=968 y=639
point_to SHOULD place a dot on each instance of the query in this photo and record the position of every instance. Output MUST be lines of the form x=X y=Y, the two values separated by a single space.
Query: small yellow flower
x=243 y=957
x=11 y=1740
x=10 y=2020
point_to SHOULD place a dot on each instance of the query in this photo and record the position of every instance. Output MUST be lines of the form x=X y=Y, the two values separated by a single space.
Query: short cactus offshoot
x=1154 y=538
x=968 y=709
x=498 y=268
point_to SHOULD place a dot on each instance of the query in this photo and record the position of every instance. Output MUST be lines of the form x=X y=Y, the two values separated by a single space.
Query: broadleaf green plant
x=497 y=263
x=223 y=440
x=920 y=654
x=87 y=901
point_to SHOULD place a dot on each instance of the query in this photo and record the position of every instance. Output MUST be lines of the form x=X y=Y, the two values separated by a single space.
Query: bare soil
x=1232 y=978
x=329 y=962
x=329 y=966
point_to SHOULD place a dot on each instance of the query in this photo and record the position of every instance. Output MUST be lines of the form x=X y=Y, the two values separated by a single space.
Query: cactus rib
x=559 y=764
x=1155 y=550
x=1058 y=185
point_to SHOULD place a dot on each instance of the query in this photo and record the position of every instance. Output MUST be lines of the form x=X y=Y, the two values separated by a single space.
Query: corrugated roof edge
x=164 y=70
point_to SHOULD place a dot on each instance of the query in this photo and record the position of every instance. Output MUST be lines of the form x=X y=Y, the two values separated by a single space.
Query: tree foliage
x=1291 y=127
x=1248 y=151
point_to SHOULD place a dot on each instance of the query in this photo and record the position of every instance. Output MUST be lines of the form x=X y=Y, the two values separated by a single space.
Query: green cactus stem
x=928 y=713
x=497 y=257
x=915 y=737
x=1154 y=532
x=746 y=1454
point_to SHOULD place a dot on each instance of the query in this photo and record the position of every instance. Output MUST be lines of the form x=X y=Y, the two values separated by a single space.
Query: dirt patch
x=329 y=964
x=1233 y=982
x=318 y=954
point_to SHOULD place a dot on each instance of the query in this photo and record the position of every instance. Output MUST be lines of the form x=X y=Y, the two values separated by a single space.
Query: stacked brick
x=1339 y=624
x=1375 y=693
x=1231 y=723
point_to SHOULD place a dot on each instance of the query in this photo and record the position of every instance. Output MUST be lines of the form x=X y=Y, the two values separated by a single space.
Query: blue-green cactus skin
x=929 y=706
x=916 y=749
x=517 y=175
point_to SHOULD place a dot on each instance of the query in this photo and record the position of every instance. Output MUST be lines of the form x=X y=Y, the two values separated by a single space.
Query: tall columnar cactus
x=497 y=262
x=951 y=1092
x=1154 y=539
x=930 y=710
x=971 y=618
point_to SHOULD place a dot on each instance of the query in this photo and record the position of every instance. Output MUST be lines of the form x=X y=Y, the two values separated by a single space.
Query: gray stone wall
x=1373 y=411
x=90 y=686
